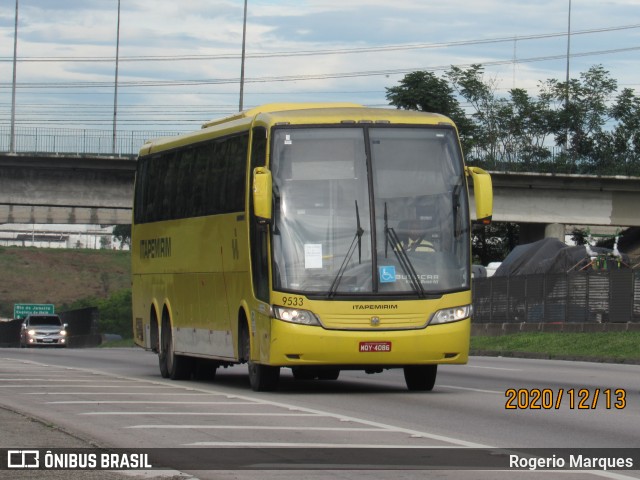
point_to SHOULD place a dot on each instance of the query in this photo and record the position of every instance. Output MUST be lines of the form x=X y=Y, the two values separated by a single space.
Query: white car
x=43 y=331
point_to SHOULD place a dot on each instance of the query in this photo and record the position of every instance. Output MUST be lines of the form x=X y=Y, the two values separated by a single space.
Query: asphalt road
x=116 y=398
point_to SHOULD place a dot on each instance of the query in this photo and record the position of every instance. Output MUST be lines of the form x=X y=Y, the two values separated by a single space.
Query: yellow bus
x=317 y=237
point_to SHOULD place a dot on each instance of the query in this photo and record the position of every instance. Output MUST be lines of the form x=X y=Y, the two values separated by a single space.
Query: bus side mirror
x=483 y=194
x=262 y=194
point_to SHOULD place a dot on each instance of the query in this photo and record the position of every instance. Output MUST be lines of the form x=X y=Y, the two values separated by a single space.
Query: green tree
x=115 y=314
x=622 y=142
x=425 y=92
x=492 y=243
x=523 y=128
x=582 y=111
x=471 y=84
x=122 y=233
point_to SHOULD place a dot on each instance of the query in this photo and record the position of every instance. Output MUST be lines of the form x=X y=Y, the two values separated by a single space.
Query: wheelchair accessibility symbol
x=387 y=274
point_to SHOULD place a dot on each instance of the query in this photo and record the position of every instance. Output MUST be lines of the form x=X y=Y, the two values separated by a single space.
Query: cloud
x=151 y=28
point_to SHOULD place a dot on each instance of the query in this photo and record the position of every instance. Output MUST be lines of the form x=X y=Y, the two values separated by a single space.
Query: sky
x=180 y=61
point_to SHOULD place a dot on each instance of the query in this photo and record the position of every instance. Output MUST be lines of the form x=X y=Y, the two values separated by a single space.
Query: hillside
x=59 y=276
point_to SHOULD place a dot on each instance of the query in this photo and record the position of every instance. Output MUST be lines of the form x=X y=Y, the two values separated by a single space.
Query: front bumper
x=296 y=345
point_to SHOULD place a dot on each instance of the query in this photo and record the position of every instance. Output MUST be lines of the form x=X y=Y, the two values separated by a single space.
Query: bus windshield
x=369 y=210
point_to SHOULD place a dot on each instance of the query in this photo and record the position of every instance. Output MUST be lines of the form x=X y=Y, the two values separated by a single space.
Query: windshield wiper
x=390 y=236
x=455 y=202
x=357 y=238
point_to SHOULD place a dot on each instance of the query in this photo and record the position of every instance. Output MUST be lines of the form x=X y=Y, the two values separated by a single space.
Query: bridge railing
x=555 y=160
x=77 y=141
x=43 y=140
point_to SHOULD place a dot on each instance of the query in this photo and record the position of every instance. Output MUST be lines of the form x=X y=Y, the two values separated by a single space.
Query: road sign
x=21 y=310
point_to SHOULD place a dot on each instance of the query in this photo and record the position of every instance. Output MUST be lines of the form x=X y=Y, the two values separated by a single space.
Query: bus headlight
x=448 y=315
x=295 y=315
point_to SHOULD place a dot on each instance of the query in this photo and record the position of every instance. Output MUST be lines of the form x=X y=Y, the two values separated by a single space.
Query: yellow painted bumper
x=294 y=345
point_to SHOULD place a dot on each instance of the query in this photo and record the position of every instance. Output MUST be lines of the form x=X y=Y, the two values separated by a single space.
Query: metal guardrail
x=36 y=140
x=51 y=141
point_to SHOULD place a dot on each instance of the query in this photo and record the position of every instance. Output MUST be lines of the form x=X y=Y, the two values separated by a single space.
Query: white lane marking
x=213 y=414
x=155 y=394
x=314 y=445
x=470 y=389
x=257 y=401
x=144 y=402
x=55 y=385
x=260 y=427
x=66 y=379
x=30 y=377
x=496 y=368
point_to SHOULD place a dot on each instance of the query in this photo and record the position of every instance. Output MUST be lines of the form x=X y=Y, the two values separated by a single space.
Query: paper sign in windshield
x=313 y=255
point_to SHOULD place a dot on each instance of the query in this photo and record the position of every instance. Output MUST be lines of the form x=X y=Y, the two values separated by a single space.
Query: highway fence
x=610 y=296
x=64 y=141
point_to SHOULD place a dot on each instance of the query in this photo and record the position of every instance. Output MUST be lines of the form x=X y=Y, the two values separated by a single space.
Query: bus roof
x=277 y=107
x=347 y=115
x=298 y=114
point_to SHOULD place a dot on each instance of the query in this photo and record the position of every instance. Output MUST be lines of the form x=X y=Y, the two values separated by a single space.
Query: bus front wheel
x=420 y=378
x=263 y=378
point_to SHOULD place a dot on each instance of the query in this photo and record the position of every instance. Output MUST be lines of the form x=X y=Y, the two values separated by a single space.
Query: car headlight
x=448 y=315
x=295 y=315
x=63 y=333
x=31 y=332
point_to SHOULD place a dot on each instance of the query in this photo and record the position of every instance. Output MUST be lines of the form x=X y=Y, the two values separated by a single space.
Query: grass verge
x=124 y=343
x=621 y=347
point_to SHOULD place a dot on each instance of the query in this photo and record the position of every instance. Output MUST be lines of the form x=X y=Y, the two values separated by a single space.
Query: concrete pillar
x=555 y=230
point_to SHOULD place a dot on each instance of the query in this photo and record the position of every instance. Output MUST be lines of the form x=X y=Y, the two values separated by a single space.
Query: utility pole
x=244 y=42
x=568 y=45
x=115 y=94
x=12 y=140
x=566 y=100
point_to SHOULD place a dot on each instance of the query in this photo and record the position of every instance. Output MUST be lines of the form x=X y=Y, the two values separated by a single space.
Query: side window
x=236 y=167
x=193 y=181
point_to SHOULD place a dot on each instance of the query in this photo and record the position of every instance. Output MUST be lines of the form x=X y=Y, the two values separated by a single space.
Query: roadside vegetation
x=588 y=125
x=601 y=346
x=123 y=343
x=69 y=279
x=115 y=312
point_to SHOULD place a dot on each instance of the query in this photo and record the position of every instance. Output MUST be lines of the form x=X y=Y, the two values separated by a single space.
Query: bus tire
x=420 y=378
x=263 y=378
x=175 y=367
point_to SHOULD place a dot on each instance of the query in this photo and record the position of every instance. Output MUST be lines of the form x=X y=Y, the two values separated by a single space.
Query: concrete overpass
x=99 y=190
x=66 y=189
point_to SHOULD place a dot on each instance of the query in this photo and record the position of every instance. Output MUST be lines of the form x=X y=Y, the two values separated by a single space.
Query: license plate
x=47 y=340
x=375 y=347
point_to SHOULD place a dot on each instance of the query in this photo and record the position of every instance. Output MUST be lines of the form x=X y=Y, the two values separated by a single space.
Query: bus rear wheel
x=175 y=367
x=420 y=378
